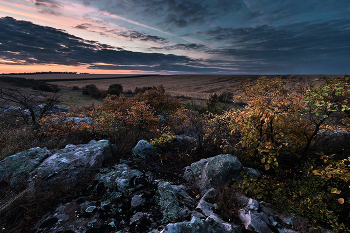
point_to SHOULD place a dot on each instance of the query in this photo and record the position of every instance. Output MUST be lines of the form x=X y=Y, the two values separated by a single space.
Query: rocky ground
x=83 y=188
x=120 y=198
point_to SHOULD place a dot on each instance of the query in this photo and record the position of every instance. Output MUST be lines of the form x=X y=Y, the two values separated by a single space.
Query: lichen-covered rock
x=252 y=172
x=15 y=169
x=169 y=202
x=144 y=150
x=104 y=208
x=193 y=226
x=119 y=178
x=79 y=120
x=77 y=216
x=214 y=171
x=70 y=165
x=254 y=221
x=196 y=225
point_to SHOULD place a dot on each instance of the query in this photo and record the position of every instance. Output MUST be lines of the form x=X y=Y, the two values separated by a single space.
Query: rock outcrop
x=70 y=165
x=15 y=169
x=120 y=198
x=214 y=171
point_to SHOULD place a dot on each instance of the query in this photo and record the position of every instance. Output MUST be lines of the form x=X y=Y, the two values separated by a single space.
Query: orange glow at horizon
x=4 y=69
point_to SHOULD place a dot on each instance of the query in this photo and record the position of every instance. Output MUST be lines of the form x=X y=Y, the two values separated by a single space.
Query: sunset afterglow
x=175 y=36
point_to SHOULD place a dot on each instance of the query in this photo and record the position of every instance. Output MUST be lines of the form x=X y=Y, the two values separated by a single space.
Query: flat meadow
x=190 y=86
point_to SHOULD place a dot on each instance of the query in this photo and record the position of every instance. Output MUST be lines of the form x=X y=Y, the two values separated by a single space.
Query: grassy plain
x=189 y=86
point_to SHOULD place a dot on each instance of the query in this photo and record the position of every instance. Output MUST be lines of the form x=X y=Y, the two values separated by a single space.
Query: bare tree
x=27 y=101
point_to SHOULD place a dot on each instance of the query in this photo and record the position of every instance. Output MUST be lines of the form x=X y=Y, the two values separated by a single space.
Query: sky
x=175 y=36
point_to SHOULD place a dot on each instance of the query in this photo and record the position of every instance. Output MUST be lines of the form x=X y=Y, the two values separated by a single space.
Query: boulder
x=144 y=150
x=193 y=226
x=115 y=201
x=169 y=202
x=117 y=179
x=16 y=169
x=328 y=139
x=79 y=120
x=69 y=165
x=214 y=171
x=24 y=112
x=207 y=225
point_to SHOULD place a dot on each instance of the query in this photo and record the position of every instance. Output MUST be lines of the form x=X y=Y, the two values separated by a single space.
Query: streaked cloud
x=207 y=36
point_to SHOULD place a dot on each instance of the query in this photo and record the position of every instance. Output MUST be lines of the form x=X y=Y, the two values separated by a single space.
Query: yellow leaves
x=335 y=191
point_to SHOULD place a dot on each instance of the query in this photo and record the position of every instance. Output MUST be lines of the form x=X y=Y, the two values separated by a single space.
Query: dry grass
x=189 y=86
x=192 y=86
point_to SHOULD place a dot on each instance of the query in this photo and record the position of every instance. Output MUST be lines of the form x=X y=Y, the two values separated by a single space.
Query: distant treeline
x=34 y=84
x=41 y=73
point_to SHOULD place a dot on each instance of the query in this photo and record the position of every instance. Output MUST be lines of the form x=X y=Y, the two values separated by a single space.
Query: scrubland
x=275 y=125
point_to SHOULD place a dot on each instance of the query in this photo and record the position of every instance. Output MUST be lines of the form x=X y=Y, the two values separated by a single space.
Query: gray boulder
x=16 y=169
x=193 y=226
x=79 y=120
x=214 y=171
x=326 y=139
x=196 y=225
x=169 y=202
x=144 y=150
x=117 y=178
x=70 y=165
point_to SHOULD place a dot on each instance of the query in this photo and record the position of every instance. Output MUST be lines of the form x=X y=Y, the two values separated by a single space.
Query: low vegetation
x=277 y=132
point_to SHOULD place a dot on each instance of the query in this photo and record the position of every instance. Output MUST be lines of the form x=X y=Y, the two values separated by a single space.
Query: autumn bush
x=276 y=132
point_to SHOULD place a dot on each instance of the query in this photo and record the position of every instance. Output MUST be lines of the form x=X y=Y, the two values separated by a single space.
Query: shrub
x=159 y=101
x=144 y=89
x=92 y=90
x=118 y=87
x=225 y=97
x=46 y=87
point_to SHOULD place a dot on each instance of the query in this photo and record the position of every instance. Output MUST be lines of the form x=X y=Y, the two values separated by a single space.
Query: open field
x=197 y=87
x=193 y=86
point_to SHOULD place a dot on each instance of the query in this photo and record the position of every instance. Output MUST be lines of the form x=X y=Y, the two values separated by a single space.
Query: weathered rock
x=70 y=165
x=79 y=120
x=169 y=203
x=24 y=112
x=76 y=217
x=143 y=150
x=252 y=219
x=137 y=201
x=327 y=139
x=15 y=169
x=214 y=171
x=252 y=172
x=196 y=225
x=113 y=210
x=118 y=178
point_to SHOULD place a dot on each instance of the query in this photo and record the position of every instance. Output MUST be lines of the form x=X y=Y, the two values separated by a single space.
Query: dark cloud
x=130 y=35
x=140 y=36
x=170 y=14
x=83 y=26
x=46 y=3
x=191 y=46
x=33 y=44
x=304 y=46
x=48 y=7
x=173 y=20
x=163 y=67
